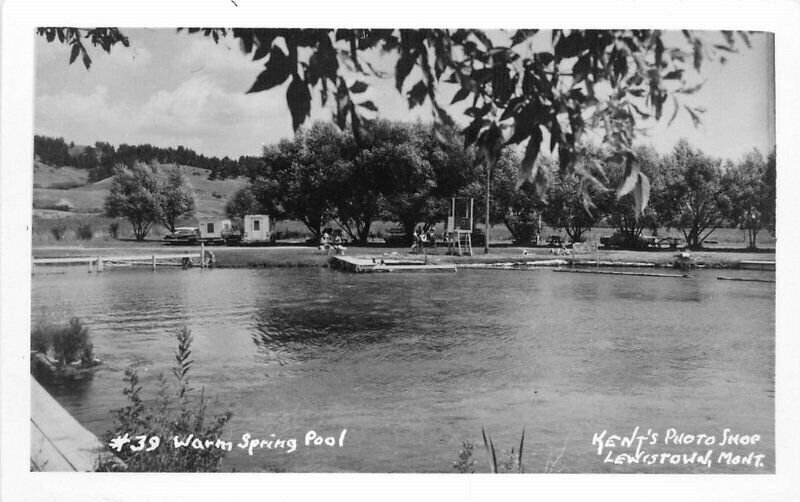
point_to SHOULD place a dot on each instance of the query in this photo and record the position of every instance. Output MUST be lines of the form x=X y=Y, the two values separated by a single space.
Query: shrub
x=464 y=463
x=113 y=230
x=175 y=415
x=85 y=232
x=58 y=231
x=70 y=343
x=42 y=338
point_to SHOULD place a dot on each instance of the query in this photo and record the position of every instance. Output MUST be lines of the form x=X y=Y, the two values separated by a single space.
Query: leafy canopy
x=521 y=88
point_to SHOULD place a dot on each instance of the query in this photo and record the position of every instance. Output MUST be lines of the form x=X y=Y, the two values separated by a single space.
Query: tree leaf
x=403 y=68
x=299 y=99
x=641 y=193
x=528 y=168
x=460 y=95
x=586 y=197
x=417 y=94
x=359 y=87
x=631 y=175
x=87 y=61
x=76 y=49
x=522 y=35
x=277 y=69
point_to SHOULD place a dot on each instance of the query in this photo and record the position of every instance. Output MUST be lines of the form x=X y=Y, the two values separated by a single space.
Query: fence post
x=90 y=265
x=99 y=264
x=202 y=255
x=154 y=261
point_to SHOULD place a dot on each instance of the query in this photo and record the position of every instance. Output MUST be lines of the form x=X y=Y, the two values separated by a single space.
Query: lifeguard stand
x=459 y=226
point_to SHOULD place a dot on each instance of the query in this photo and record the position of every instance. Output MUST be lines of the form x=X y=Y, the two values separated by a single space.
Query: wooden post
x=99 y=264
x=486 y=231
x=202 y=255
x=154 y=261
x=90 y=265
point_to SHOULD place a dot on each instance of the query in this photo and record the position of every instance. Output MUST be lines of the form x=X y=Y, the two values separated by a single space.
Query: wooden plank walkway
x=372 y=265
x=99 y=261
x=744 y=279
x=609 y=272
x=757 y=265
x=58 y=441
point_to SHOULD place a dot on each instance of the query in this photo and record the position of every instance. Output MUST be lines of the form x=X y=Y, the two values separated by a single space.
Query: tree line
x=402 y=172
x=101 y=158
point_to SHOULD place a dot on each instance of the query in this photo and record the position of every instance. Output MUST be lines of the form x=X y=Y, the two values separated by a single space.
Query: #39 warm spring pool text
x=248 y=442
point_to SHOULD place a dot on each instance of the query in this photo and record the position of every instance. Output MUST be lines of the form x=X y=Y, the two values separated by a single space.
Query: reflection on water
x=414 y=364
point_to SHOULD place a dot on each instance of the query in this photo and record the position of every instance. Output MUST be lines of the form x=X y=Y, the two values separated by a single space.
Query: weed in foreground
x=176 y=414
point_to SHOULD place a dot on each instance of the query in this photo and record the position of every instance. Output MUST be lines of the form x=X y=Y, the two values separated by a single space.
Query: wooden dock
x=373 y=265
x=58 y=441
x=610 y=272
x=744 y=279
x=757 y=265
x=98 y=263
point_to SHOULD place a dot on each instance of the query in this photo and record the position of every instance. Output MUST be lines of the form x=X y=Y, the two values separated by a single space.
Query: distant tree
x=87 y=159
x=135 y=195
x=566 y=207
x=519 y=209
x=300 y=173
x=106 y=161
x=242 y=203
x=421 y=174
x=694 y=200
x=53 y=151
x=750 y=186
x=176 y=198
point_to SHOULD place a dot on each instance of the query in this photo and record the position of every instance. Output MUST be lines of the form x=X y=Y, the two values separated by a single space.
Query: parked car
x=478 y=237
x=396 y=236
x=183 y=235
x=622 y=240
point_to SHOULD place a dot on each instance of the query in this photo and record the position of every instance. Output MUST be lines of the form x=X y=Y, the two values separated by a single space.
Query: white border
x=21 y=17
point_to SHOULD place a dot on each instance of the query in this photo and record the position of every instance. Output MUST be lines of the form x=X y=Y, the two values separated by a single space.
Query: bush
x=70 y=343
x=524 y=232
x=113 y=230
x=42 y=338
x=174 y=415
x=85 y=232
x=58 y=231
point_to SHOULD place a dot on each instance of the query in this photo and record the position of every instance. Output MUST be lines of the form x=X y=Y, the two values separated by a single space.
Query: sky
x=171 y=89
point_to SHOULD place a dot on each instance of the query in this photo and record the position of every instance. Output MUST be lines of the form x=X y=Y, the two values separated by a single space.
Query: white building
x=257 y=228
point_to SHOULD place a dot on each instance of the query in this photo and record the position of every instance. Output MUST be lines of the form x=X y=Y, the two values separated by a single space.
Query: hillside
x=60 y=191
x=47 y=176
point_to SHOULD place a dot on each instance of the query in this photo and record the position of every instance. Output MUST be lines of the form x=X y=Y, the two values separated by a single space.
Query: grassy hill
x=63 y=196
x=47 y=176
x=67 y=189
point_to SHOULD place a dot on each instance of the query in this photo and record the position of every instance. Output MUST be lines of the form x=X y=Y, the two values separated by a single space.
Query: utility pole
x=486 y=226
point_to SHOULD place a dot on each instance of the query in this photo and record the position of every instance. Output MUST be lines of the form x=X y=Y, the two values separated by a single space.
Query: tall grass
x=506 y=461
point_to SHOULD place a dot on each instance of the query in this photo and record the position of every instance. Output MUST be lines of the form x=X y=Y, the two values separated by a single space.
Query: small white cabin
x=257 y=228
x=215 y=229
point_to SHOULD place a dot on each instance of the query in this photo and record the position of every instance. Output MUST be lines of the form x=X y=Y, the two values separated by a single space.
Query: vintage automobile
x=183 y=235
x=396 y=236
x=622 y=240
